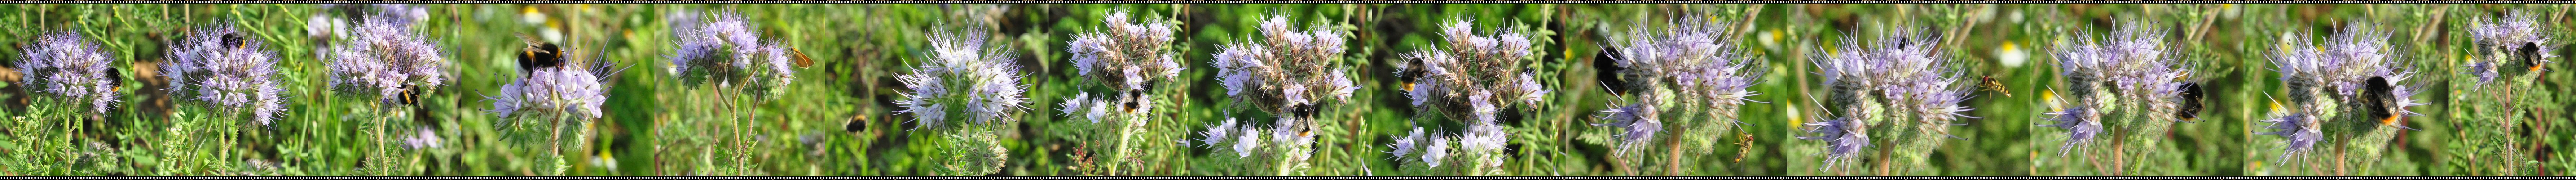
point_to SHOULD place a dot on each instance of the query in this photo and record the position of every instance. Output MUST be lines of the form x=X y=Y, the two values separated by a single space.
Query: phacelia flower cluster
x=1288 y=73
x=1475 y=79
x=1896 y=81
x=725 y=50
x=963 y=81
x=2510 y=44
x=1686 y=70
x=219 y=66
x=568 y=91
x=71 y=68
x=2340 y=76
x=1128 y=58
x=2132 y=60
x=384 y=57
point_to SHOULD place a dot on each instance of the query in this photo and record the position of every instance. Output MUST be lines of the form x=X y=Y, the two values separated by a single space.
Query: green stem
x=1122 y=150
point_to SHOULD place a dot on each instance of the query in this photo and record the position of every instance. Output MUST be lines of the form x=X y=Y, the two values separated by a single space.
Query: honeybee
x=2381 y=99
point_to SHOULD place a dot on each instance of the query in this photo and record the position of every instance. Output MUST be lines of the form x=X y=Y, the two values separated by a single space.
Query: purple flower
x=1135 y=52
x=1406 y=145
x=1438 y=150
x=1476 y=75
x=963 y=76
x=404 y=14
x=1843 y=138
x=2501 y=41
x=1245 y=143
x=1639 y=123
x=426 y=139
x=2299 y=133
x=561 y=91
x=225 y=68
x=726 y=51
x=67 y=66
x=1901 y=67
x=1288 y=69
x=1217 y=134
x=2341 y=65
x=2081 y=124
x=385 y=57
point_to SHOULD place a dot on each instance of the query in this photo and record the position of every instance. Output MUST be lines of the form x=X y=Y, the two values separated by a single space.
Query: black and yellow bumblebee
x=538 y=54
x=2381 y=99
x=1134 y=101
x=2190 y=100
x=2529 y=59
x=234 y=41
x=410 y=95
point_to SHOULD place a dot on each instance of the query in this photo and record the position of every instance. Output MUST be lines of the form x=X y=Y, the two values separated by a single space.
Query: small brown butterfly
x=2381 y=98
x=802 y=61
x=1989 y=84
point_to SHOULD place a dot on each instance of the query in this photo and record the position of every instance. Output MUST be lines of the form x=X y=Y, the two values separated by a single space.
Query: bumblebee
x=115 y=80
x=2190 y=101
x=2530 y=59
x=2381 y=99
x=856 y=124
x=539 y=54
x=1134 y=102
x=234 y=41
x=410 y=95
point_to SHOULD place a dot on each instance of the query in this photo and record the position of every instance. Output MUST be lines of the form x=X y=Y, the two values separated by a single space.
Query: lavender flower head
x=966 y=79
x=1289 y=71
x=1688 y=64
x=726 y=51
x=385 y=57
x=2502 y=41
x=1843 y=138
x=67 y=66
x=405 y=14
x=1639 y=123
x=1128 y=58
x=222 y=67
x=1475 y=77
x=1897 y=81
x=574 y=92
x=2081 y=124
x=2299 y=133
x=2341 y=65
x=2132 y=59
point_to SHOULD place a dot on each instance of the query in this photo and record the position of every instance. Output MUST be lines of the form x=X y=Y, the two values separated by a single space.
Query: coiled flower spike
x=384 y=56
